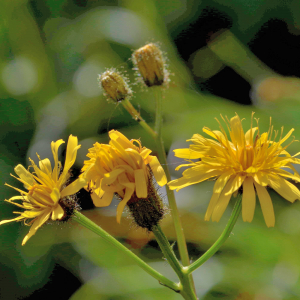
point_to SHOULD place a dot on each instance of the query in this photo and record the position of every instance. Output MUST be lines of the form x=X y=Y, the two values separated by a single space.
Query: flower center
x=41 y=195
x=246 y=156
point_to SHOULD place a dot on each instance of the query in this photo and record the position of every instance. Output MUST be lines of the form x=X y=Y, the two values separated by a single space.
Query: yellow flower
x=120 y=167
x=46 y=188
x=249 y=161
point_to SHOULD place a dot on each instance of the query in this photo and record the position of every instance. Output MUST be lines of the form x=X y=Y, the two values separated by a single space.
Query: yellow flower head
x=120 y=167
x=250 y=161
x=46 y=188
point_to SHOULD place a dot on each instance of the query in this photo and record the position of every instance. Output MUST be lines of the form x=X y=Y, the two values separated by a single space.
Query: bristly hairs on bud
x=115 y=85
x=150 y=65
x=147 y=212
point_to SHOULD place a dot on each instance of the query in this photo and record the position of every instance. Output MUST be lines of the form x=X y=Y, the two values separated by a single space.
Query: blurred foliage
x=50 y=56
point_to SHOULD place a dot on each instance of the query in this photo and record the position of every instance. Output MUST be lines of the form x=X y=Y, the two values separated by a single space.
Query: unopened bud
x=150 y=63
x=115 y=85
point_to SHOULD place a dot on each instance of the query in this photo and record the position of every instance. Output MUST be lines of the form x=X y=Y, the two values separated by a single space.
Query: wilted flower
x=46 y=188
x=124 y=168
x=249 y=163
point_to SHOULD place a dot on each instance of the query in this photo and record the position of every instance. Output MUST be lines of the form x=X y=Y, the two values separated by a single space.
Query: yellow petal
x=185 y=165
x=41 y=176
x=284 y=188
x=104 y=201
x=199 y=169
x=32 y=214
x=221 y=206
x=187 y=153
x=25 y=176
x=36 y=225
x=45 y=166
x=74 y=187
x=17 y=198
x=249 y=135
x=266 y=205
x=12 y=220
x=261 y=178
x=55 y=195
x=71 y=154
x=199 y=151
x=135 y=156
x=284 y=173
x=110 y=177
x=120 y=208
x=120 y=138
x=183 y=181
x=54 y=148
x=216 y=134
x=123 y=179
x=41 y=200
x=57 y=213
x=140 y=183
x=235 y=185
x=145 y=153
x=158 y=171
x=221 y=182
x=20 y=191
x=249 y=200
x=215 y=161
x=286 y=137
x=125 y=155
x=212 y=203
x=237 y=132
x=90 y=173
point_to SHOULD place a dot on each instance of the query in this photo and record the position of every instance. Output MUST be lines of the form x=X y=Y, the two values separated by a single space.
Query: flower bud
x=115 y=85
x=150 y=63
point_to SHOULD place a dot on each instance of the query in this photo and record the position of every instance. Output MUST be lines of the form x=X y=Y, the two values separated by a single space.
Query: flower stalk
x=182 y=247
x=86 y=222
x=163 y=159
x=221 y=240
x=136 y=116
x=187 y=290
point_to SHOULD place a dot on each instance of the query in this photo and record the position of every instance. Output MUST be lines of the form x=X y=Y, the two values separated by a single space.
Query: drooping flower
x=249 y=163
x=46 y=188
x=122 y=167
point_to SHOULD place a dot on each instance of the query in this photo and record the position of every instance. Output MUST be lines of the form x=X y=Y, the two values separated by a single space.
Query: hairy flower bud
x=150 y=63
x=115 y=85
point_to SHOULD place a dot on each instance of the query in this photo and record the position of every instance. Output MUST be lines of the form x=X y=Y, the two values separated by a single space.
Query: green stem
x=187 y=289
x=136 y=115
x=162 y=156
x=183 y=252
x=167 y=250
x=171 y=197
x=86 y=222
x=158 y=111
x=221 y=240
